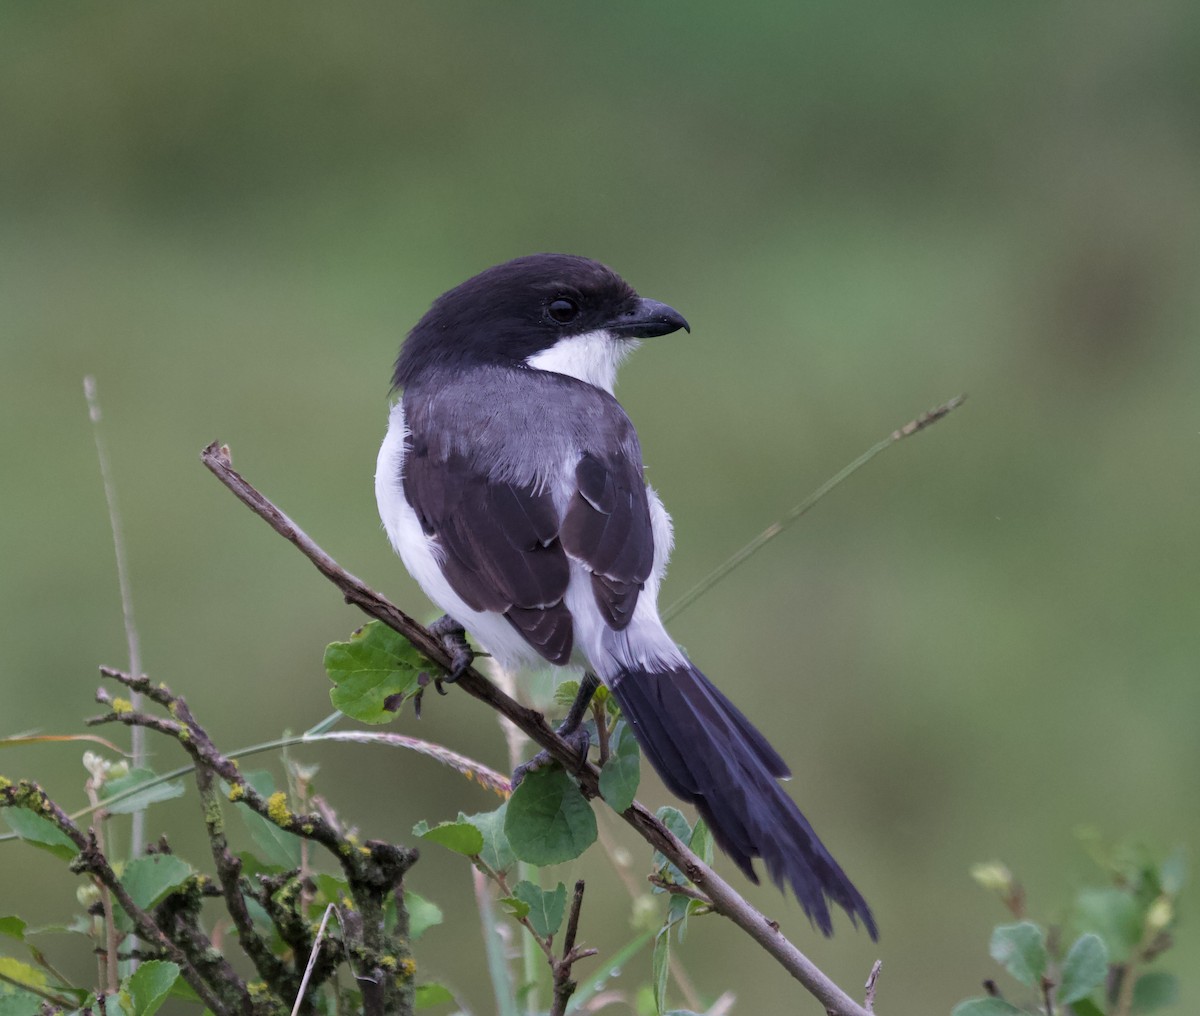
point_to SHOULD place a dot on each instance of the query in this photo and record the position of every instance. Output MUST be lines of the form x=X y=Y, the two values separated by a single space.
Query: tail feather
x=711 y=756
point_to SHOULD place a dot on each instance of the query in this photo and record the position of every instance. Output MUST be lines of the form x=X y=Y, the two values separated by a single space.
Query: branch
x=564 y=987
x=870 y=986
x=92 y=860
x=373 y=870
x=725 y=899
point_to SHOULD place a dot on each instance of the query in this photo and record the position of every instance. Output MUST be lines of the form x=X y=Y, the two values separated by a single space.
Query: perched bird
x=511 y=484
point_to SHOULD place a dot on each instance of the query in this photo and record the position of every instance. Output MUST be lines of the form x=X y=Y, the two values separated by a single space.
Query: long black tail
x=710 y=755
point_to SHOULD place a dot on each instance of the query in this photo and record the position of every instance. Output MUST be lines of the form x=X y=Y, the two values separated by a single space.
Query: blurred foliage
x=1093 y=961
x=230 y=215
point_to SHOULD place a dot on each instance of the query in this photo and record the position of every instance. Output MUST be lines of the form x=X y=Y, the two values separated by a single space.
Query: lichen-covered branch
x=91 y=860
x=374 y=871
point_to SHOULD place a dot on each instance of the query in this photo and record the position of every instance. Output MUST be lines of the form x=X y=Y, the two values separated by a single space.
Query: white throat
x=592 y=357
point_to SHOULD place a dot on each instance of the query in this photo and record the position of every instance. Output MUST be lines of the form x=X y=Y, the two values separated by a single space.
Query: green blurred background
x=231 y=214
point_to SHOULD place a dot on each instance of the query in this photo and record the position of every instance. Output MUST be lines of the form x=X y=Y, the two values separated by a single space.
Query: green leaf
x=619 y=777
x=461 y=836
x=13 y=927
x=422 y=914
x=678 y=911
x=138 y=799
x=371 y=672
x=1085 y=967
x=1021 y=950
x=1114 y=916
x=1155 y=991
x=279 y=848
x=150 y=985
x=15 y=1002
x=1085 y=1007
x=149 y=879
x=40 y=832
x=515 y=907
x=546 y=907
x=660 y=965
x=674 y=820
x=16 y=972
x=564 y=694
x=701 y=842
x=496 y=852
x=985 y=1007
x=429 y=995
x=548 y=820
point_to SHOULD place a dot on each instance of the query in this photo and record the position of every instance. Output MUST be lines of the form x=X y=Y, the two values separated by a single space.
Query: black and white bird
x=511 y=484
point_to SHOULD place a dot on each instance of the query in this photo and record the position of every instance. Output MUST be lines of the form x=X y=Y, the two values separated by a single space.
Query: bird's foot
x=454 y=640
x=580 y=741
x=571 y=730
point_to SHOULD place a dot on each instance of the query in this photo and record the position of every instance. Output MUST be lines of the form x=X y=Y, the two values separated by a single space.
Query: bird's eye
x=562 y=310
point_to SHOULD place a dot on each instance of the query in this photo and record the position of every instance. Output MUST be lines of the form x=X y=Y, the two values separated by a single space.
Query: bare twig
x=679 y=889
x=1048 y=994
x=872 y=981
x=725 y=899
x=564 y=987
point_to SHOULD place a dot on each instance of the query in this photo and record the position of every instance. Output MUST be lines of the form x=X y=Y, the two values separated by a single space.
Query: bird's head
x=556 y=312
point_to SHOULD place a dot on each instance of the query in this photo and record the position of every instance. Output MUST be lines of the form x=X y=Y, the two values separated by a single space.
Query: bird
x=511 y=484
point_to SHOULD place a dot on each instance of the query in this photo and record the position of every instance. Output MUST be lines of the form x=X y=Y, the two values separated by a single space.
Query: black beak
x=647 y=319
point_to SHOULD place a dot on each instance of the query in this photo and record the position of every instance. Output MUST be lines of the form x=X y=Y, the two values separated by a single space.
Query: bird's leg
x=570 y=730
x=454 y=640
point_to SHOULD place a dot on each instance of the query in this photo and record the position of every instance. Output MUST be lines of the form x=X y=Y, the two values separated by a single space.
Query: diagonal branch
x=725 y=899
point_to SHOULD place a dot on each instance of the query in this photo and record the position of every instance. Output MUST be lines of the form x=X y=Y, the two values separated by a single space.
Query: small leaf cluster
x=1094 y=962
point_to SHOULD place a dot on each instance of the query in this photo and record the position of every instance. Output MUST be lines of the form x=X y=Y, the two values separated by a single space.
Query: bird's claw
x=454 y=640
x=580 y=741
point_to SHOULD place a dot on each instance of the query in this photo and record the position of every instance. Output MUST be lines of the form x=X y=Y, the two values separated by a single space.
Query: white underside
x=644 y=644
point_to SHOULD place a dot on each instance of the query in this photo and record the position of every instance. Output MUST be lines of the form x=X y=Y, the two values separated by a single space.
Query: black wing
x=500 y=543
x=607 y=527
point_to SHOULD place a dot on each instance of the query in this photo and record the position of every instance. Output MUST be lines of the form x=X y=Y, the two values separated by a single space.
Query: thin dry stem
x=312 y=958
x=872 y=981
x=137 y=737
